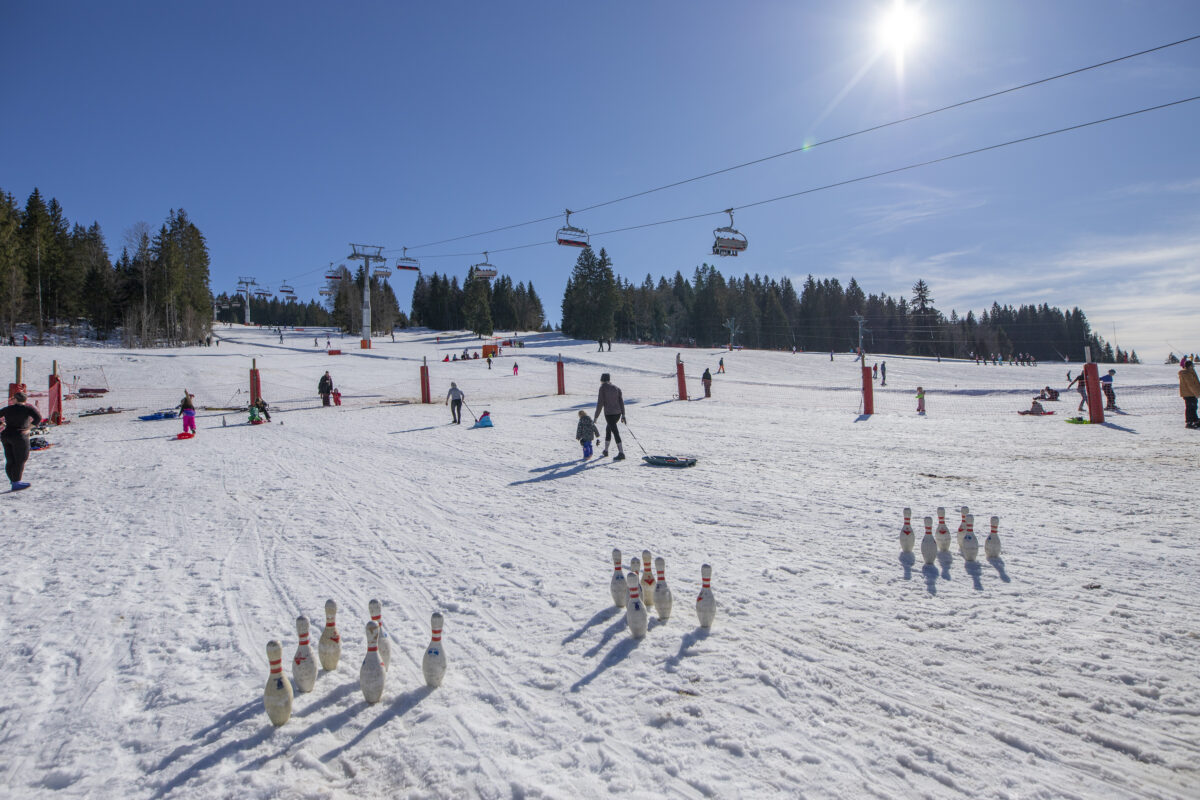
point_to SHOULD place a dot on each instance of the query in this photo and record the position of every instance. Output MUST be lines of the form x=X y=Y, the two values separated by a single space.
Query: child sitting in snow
x=585 y=431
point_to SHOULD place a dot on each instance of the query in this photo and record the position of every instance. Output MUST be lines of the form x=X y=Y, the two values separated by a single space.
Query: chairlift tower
x=244 y=285
x=862 y=328
x=734 y=330
x=366 y=253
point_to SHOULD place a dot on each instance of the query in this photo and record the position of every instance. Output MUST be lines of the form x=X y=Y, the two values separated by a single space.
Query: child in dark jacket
x=585 y=432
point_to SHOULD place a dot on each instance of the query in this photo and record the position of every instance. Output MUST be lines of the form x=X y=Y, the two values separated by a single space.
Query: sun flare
x=899 y=28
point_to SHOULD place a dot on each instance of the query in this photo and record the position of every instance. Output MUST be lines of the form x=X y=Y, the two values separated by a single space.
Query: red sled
x=184 y=435
x=257 y=421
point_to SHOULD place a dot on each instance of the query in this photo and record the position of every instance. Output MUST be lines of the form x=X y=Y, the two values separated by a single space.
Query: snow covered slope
x=143 y=577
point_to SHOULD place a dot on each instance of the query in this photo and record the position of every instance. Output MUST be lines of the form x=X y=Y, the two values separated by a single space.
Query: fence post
x=562 y=382
x=425 y=381
x=681 y=379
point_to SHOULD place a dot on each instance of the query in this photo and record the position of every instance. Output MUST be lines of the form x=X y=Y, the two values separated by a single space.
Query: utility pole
x=862 y=328
x=734 y=330
x=244 y=285
x=366 y=253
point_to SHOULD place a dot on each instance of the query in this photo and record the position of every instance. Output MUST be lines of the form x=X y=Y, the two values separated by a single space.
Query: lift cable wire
x=810 y=146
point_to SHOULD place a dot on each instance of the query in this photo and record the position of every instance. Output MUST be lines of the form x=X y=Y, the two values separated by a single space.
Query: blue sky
x=288 y=130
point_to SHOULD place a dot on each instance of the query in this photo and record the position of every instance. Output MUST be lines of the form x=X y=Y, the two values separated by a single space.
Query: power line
x=804 y=147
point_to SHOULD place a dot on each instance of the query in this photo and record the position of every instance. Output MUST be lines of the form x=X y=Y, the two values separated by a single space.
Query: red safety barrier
x=54 y=402
x=255 y=387
x=335 y=352
x=681 y=379
x=562 y=381
x=868 y=391
x=1095 y=400
x=425 y=398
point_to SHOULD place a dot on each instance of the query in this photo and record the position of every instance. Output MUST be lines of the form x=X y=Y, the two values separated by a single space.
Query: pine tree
x=476 y=308
x=12 y=273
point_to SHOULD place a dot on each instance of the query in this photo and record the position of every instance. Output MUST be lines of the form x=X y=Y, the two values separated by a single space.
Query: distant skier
x=920 y=401
x=325 y=388
x=514 y=369
x=610 y=401
x=883 y=374
x=19 y=418
x=585 y=432
x=875 y=372
x=706 y=379
x=454 y=399
x=721 y=366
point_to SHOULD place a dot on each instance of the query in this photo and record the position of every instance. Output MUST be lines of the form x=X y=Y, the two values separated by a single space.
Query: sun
x=899 y=28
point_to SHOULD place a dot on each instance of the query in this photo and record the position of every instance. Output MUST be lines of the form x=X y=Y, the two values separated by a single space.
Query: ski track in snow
x=145 y=575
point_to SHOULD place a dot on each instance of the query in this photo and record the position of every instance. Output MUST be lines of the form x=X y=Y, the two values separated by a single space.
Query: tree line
x=765 y=313
x=55 y=273
x=480 y=305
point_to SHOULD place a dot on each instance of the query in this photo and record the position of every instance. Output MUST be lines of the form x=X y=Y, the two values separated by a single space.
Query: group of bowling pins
x=638 y=590
x=935 y=541
x=277 y=696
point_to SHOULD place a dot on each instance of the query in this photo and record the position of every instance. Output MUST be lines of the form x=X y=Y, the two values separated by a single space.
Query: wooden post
x=562 y=381
x=425 y=398
x=679 y=377
x=17 y=385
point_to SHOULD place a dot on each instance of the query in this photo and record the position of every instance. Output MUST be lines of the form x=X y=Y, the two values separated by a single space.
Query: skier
x=1106 y=385
x=187 y=410
x=514 y=369
x=706 y=379
x=489 y=362
x=585 y=432
x=454 y=399
x=18 y=418
x=610 y=401
x=1189 y=390
x=883 y=374
x=325 y=387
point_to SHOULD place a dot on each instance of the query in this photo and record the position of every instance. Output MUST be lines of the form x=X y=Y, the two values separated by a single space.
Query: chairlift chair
x=327 y=292
x=728 y=241
x=571 y=236
x=484 y=269
x=381 y=271
x=333 y=274
x=286 y=289
x=406 y=262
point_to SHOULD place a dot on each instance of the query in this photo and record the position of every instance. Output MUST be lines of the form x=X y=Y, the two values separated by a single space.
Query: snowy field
x=143 y=577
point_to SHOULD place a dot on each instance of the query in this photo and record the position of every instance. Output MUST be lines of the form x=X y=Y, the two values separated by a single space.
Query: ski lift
x=327 y=292
x=572 y=236
x=333 y=274
x=484 y=269
x=728 y=241
x=262 y=293
x=381 y=271
x=286 y=289
x=404 y=262
x=224 y=306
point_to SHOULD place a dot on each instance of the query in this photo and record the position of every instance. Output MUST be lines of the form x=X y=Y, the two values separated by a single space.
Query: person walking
x=585 y=432
x=921 y=401
x=325 y=388
x=187 y=410
x=883 y=374
x=1189 y=390
x=610 y=401
x=1106 y=386
x=454 y=399
x=19 y=417
x=706 y=379
x=721 y=366
x=514 y=369
x=1078 y=381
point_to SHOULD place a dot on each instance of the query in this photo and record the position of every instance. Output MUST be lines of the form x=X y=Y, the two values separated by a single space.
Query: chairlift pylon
x=484 y=269
x=571 y=236
x=728 y=241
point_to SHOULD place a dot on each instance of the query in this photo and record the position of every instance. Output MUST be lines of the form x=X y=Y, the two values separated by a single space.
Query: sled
x=258 y=422
x=1035 y=413
x=40 y=446
x=158 y=415
x=97 y=412
x=669 y=461
x=1078 y=421
x=184 y=435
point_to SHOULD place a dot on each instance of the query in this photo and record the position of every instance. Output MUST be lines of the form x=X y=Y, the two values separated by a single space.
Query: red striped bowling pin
x=662 y=594
x=942 y=536
x=617 y=585
x=385 y=647
x=706 y=603
x=277 y=695
x=635 y=612
x=970 y=545
x=329 y=648
x=647 y=586
x=906 y=532
x=991 y=545
x=304 y=663
x=371 y=675
x=929 y=546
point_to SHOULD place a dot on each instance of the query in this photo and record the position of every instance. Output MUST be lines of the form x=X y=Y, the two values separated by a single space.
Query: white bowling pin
x=647 y=580
x=929 y=546
x=371 y=675
x=662 y=594
x=942 y=534
x=620 y=593
x=635 y=569
x=706 y=604
x=304 y=663
x=635 y=612
x=385 y=646
x=970 y=545
x=962 y=526
x=991 y=546
x=433 y=663
x=329 y=648
x=277 y=695
x=906 y=532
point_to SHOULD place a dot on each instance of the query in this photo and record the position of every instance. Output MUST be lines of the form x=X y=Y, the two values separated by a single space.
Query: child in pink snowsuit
x=187 y=410
x=514 y=368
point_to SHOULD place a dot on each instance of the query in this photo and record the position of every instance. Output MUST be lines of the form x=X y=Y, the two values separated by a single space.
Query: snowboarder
x=585 y=432
x=1106 y=385
x=187 y=410
x=1189 y=390
x=920 y=401
x=325 y=387
x=721 y=366
x=454 y=399
x=19 y=418
x=706 y=379
x=610 y=401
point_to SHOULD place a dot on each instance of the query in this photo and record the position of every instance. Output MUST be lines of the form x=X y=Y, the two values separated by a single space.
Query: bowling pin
x=277 y=695
x=371 y=674
x=662 y=595
x=433 y=664
x=617 y=585
x=929 y=546
x=970 y=545
x=706 y=604
x=991 y=546
x=635 y=569
x=942 y=535
x=906 y=532
x=329 y=648
x=385 y=647
x=962 y=526
x=635 y=612
x=647 y=580
x=304 y=663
